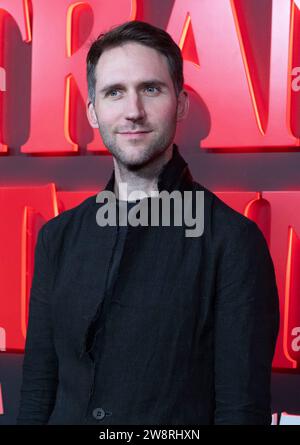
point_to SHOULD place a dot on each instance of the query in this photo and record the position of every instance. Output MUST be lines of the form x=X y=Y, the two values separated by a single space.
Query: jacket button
x=99 y=413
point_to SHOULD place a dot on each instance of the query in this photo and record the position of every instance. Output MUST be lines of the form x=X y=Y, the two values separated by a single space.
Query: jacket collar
x=174 y=175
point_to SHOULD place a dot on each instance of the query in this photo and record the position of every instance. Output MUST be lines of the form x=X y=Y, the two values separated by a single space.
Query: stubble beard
x=155 y=148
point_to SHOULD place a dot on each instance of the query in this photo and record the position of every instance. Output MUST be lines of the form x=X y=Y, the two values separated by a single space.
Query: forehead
x=132 y=62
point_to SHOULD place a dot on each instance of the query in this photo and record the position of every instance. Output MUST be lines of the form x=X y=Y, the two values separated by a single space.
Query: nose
x=134 y=108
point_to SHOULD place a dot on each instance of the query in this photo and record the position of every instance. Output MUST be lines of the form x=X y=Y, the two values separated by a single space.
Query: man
x=143 y=324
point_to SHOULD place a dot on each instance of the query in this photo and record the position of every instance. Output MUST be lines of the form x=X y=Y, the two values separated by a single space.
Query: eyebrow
x=145 y=83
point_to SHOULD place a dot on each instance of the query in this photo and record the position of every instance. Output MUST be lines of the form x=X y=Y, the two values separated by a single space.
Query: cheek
x=162 y=112
x=108 y=116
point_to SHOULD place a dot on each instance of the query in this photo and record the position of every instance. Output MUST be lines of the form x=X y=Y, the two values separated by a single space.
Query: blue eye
x=111 y=93
x=151 y=89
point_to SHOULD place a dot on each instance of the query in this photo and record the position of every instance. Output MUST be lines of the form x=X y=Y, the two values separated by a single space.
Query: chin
x=135 y=160
x=135 y=154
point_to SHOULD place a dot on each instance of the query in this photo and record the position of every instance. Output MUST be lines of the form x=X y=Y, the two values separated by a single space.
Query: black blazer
x=187 y=336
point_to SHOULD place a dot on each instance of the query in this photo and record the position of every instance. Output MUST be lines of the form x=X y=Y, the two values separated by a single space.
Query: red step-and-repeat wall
x=248 y=86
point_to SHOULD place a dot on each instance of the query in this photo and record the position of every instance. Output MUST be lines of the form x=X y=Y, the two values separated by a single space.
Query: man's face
x=136 y=108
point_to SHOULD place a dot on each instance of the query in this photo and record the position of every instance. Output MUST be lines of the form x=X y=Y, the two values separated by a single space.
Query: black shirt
x=114 y=268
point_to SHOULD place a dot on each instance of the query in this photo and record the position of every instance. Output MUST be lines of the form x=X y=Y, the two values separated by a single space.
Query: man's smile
x=134 y=134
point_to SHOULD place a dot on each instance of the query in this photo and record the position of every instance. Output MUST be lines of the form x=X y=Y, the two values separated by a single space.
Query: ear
x=183 y=105
x=91 y=114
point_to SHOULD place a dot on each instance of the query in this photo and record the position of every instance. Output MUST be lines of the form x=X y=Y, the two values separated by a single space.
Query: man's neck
x=142 y=180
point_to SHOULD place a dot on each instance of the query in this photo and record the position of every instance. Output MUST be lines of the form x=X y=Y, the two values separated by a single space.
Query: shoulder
x=225 y=226
x=65 y=225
